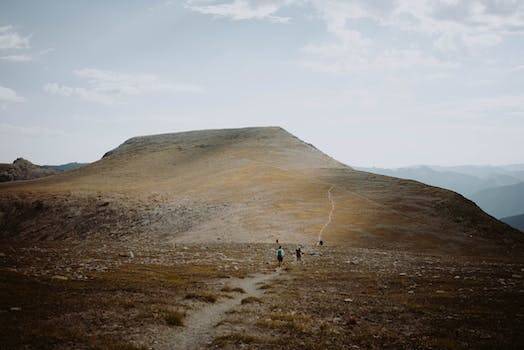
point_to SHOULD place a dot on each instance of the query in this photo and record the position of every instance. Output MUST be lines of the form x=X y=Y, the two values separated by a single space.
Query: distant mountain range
x=501 y=201
x=65 y=167
x=498 y=190
x=466 y=179
x=516 y=221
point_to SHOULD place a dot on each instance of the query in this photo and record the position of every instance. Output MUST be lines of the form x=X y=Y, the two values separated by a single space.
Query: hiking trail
x=330 y=217
x=198 y=329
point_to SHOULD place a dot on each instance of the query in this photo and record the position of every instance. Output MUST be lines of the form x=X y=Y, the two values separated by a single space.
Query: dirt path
x=330 y=217
x=199 y=326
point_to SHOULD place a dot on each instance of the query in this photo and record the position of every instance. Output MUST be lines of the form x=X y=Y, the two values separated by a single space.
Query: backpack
x=280 y=253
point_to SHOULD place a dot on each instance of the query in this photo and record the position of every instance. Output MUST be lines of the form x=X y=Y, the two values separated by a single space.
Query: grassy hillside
x=244 y=185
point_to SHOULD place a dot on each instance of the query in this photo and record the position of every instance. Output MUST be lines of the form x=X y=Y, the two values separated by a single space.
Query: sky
x=371 y=83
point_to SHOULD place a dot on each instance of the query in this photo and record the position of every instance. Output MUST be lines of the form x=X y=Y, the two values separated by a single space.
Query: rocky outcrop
x=22 y=169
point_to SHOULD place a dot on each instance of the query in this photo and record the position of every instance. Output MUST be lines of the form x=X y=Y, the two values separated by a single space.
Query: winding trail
x=330 y=217
x=198 y=331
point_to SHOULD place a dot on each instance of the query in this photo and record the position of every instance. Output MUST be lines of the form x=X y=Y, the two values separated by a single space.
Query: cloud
x=9 y=96
x=10 y=39
x=334 y=59
x=461 y=24
x=238 y=10
x=17 y=58
x=481 y=22
x=501 y=106
x=108 y=87
x=83 y=93
x=452 y=24
x=350 y=50
x=452 y=28
x=33 y=131
x=518 y=68
x=489 y=110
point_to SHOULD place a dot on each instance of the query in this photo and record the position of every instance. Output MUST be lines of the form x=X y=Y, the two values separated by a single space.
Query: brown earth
x=86 y=295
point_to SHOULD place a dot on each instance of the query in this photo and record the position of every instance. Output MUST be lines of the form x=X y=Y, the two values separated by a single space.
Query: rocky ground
x=136 y=295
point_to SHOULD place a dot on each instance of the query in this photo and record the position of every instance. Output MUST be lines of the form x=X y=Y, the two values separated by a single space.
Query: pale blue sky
x=372 y=83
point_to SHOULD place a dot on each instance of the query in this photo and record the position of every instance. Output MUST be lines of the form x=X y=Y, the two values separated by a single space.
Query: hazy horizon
x=385 y=84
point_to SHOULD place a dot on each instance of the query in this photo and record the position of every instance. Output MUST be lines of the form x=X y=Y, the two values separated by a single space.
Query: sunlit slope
x=253 y=184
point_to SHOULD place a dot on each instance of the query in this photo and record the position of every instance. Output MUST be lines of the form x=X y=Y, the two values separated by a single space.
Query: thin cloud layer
x=10 y=39
x=452 y=27
x=103 y=86
x=17 y=58
x=8 y=95
x=242 y=9
x=14 y=47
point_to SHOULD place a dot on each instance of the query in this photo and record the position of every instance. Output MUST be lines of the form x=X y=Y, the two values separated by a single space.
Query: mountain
x=501 y=201
x=516 y=221
x=244 y=185
x=65 y=167
x=22 y=169
x=514 y=171
x=466 y=179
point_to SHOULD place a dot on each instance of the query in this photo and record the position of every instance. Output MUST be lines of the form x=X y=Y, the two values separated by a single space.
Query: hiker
x=298 y=252
x=321 y=243
x=280 y=255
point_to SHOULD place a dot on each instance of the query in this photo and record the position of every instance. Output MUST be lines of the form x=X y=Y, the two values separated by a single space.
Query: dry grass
x=264 y=286
x=110 y=345
x=309 y=308
x=251 y=300
x=205 y=297
x=333 y=303
x=229 y=289
x=287 y=322
x=141 y=180
x=174 y=318
x=100 y=313
x=234 y=338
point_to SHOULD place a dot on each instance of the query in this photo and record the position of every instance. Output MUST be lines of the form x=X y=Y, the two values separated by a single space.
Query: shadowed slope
x=244 y=185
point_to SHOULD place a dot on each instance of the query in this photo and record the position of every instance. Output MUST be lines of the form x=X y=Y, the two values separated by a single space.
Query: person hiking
x=280 y=255
x=298 y=252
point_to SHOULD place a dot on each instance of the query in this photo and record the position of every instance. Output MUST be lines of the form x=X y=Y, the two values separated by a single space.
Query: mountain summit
x=244 y=185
